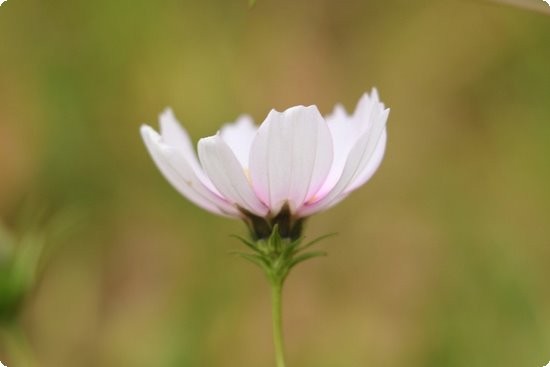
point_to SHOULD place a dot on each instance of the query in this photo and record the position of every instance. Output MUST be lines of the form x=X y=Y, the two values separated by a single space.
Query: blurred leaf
x=6 y=244
x=25 y=251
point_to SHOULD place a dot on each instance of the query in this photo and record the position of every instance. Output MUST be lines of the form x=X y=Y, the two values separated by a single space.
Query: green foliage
x=18 y=265
x=23 y=256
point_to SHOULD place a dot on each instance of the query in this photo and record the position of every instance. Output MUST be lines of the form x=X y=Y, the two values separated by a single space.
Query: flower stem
x=276 y=256
x=276 y=308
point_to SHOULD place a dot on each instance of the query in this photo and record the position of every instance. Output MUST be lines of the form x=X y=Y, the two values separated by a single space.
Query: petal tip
x=208 y=142
x=167 y=112
x=147 y=132
x=167 y=118
x=244 y=119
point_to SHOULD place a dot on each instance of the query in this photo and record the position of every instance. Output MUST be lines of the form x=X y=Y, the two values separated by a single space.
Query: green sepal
x=277 y=255
x=306 y=256
x=247 y=243
x=313 y=242
x=253 y=258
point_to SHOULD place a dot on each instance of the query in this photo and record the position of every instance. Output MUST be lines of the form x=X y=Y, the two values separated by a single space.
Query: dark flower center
x=262 y=227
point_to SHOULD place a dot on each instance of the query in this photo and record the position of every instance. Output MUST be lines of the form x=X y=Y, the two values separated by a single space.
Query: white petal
x=372 y=165
x=227 y=174
x=345 y=130
x=339 y=113
x=290 y=157
x=174 y=135
x=180 y=173
x=363 y=159
x=368 y=107
x=362 y=177
x=239 y=136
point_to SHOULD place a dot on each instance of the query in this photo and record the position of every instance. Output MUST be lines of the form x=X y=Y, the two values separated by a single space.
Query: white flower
x=296 y=163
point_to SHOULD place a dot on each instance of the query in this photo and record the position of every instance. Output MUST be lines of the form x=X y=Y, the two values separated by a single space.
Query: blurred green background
x=441 y=260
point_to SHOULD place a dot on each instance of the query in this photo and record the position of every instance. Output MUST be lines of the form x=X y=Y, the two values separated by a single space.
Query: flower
x=295 y=164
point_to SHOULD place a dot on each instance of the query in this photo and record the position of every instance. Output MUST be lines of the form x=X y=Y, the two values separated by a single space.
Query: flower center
x=262 y=227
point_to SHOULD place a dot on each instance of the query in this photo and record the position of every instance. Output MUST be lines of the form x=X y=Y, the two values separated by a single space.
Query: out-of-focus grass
x=441 y=259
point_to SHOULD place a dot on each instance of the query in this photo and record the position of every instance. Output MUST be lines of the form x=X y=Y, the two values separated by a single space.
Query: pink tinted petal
x=173 y=133
x=344 y=134
x=239 y=136
x=345 y=130
x=365 y=111
x=180 y=173
x=227 y=174
x=362 y=177
x=290 y=157
x=372 y=164
x=357 y=165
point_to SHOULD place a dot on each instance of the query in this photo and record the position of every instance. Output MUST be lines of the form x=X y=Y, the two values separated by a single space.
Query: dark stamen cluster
x=262 y=227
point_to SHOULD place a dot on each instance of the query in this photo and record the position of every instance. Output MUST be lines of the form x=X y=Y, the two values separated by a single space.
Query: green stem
x=276 y=308
x=276 y=256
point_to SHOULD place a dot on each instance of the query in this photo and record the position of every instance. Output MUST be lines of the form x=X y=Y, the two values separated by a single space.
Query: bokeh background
x=441 y=260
